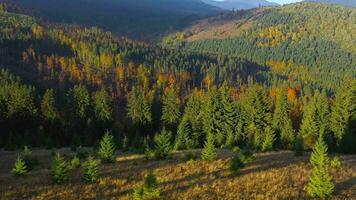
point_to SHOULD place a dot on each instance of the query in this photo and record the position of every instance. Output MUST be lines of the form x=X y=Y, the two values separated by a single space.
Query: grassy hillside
x=139 y=19
x=315 y=42
x=277 y=175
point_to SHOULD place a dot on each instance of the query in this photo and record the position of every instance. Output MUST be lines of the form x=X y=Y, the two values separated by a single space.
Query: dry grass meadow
x=275 y=175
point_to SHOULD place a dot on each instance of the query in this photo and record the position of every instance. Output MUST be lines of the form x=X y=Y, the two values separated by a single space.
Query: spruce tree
x=19 y=167
x=102 y=106
x=170 y=108
x=183 y=139
x=138 y=108
x=163 y=144
x=343 y=115
x=193 y=113
x=320 y=184
x=90 y=170
x=48 y=106
x=149 y=190
x=228 y=116
x=60 y=170
x=209 y=152
x=79 y=101
x=107 y=148
x=299 y=146
x=282 y=122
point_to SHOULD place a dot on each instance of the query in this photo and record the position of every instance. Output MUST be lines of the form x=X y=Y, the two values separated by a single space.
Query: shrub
x=236 y=164
x=107 y=148
x=209 y=152
x=149 y=154
x=190 y=156
x=19 y=167
x=335 y=163
x=90 y=170
x=75 y=163
x=163 y=144
x=320 y=185
x=247 y=155
x=60 y=170
x=149 y=190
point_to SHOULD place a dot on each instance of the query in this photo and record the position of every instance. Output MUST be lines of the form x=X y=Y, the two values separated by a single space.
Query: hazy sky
x=285 y=1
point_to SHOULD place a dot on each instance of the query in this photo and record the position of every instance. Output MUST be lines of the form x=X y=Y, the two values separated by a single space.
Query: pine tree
x=170 y=108
x=163 y=144
x=193 y=113
x=60 y=170
x=107 y=148
x=138 y=107
x=282 y=122
x=227 y=117
x=79 y=100
x=211 y=117
x=90 y=170
x=183 y=139
x=19 y=167
x=320 y=184
x=209 y=152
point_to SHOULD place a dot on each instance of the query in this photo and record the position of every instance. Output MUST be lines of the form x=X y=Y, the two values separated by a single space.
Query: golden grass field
x=275 y=175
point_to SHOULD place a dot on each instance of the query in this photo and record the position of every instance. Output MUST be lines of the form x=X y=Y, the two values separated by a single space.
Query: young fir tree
x=19 y=167
x=268 y=140
x=79 y=100
x=163 y=144
x=48 y=106
x=209 y=152
x=60 y=170
x=211 y=117
x=90 y=170
x=170 y=108
x=183 y=139
x=192 y=112
x=149 y=190
x=282 y=122
x=138 y=108
x=320 y=184
x=107 y=148
x=343 y=115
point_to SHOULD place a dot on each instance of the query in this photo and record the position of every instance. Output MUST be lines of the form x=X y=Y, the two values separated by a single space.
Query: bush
x=149 y=154
x=236 y=164
x=90 y=170
x=149 y=190
x=19 y=167
x=60 y=170
x=75 y=163
x=163 y=144
x=247 y=156
x=107 y=148
x=335 y=163
x=190 y=156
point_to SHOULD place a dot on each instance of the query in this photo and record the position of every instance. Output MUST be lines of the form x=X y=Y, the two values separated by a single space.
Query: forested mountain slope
x=351 y=3
x=315 y=42
x=139 y=19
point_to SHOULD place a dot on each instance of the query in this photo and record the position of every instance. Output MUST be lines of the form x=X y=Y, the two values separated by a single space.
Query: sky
x=284 y=1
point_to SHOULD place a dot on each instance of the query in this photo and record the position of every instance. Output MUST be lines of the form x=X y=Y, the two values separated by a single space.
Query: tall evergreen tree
x=282 y=122
x=184 y=138
x=48 y=106
x=170 y=108
x=320 y=184
x=102 y=106
x=226 y=134
x=343 y=116
x=79 y=101
x=163 y=145
x=138 y=107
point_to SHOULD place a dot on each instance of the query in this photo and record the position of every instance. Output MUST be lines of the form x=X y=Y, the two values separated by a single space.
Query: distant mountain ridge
x=137 y=19
x=239 y=4
x=350 y=3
